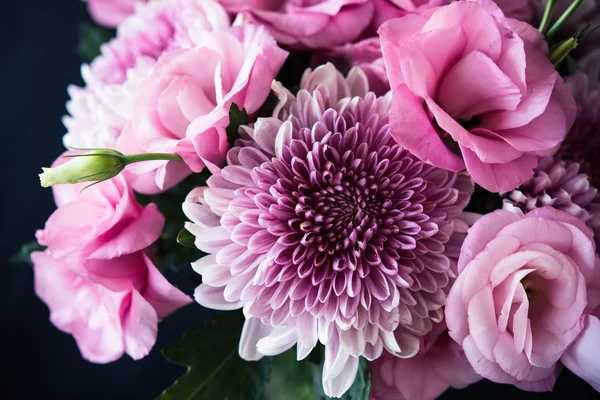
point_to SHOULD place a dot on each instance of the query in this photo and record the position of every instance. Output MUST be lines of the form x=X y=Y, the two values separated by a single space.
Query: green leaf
x=215 y=370
x=292 y=379
x=237 y=118
x=302 y=380
x=91 y=37
x=361 y=388
x=185 y=238
x=23 y=256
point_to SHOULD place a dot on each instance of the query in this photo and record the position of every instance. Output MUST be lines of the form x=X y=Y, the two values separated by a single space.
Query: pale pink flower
x=100 y=111
x=526 y=287
x=440 y=364
x=111 y=13
x=310 y=24
x=323 y=229
x=183 y=106
x=473 y=89
x=106 y=323
x=95 y=277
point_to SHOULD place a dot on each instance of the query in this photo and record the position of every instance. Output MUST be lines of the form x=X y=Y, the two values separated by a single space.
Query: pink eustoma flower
x=473 y=89
x=313 y=24
x=95 y=276
x=183 y=107
x=522 y=301
x=110 y=13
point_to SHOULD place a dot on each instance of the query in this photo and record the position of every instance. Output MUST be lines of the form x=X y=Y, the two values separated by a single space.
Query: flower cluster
x=340 y=211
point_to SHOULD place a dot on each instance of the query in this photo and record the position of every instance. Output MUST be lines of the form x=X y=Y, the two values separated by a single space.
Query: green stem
x=133 y=158
x=563 y=18
x=545 y=24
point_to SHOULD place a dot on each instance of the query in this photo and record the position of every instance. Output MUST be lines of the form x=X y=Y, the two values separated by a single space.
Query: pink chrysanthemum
x=559 y=184
x=323 y=229
x=99 y=111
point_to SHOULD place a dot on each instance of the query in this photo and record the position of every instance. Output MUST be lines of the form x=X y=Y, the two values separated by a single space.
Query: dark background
x=38 y=40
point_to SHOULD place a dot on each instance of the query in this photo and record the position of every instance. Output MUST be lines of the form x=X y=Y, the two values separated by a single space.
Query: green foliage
x=215 y=370
x=237 y=118
x=302 y=380
x=91 y=37
x=23 y=256
x=185 y=238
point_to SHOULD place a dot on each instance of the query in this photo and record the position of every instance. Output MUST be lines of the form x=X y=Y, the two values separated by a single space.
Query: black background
x=38 y=40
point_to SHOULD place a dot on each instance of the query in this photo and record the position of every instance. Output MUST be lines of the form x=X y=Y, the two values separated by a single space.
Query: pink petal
x=412 y=129
x=583 y=356
x=253 y=331
x=393 y=33
x=483 y=327
x=475 y=85
x=426 y=57
x=140 y=325
x=482 y=232
x=480 y=28
x=499 y=177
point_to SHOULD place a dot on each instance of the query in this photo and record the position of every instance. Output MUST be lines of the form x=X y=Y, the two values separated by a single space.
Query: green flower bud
x=94 y=166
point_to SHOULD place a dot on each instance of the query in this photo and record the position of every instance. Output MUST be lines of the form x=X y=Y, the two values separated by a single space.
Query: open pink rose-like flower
x=111 y=13
x=473 y=89
x=302 y=24
x=95 y=277
x=440 y=364
x=183 y=106
x=100 y=111
x=106 y=323
x=92 y=228
x=324 y=230
x=526 y=287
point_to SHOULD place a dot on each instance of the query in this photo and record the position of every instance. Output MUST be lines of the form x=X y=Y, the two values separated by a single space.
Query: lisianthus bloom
x=183 y=106
x=559 y=184
x=440 y=364
x=582 y=144
x=95 y=277
x=313 y=24
x=102 y=109
x=111 y=13
x=526 y=287
x=473 y=89
x=324 y=229
x=107 y=323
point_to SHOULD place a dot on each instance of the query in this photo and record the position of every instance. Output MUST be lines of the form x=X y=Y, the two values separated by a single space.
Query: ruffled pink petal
x=480 y=28
x=499 y=177
x=475 y=85
x=393 y=33
x=426 y=57
x=140 y=326
x=583 y=356
x=412 y=129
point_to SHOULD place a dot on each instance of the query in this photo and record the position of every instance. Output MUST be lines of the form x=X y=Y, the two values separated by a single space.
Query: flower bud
x=94 y=166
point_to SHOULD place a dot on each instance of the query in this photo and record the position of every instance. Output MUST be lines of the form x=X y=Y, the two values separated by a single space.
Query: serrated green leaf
x=185 y=238
x=237 y=118
x=91 y=37
x=23 y=256
x=215 y=370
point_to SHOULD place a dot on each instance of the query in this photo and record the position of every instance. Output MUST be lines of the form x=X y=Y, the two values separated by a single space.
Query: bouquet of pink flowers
x=393 y=197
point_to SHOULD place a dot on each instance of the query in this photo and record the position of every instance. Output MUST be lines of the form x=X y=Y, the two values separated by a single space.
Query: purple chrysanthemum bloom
x=560 y=184
x=323 y=229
